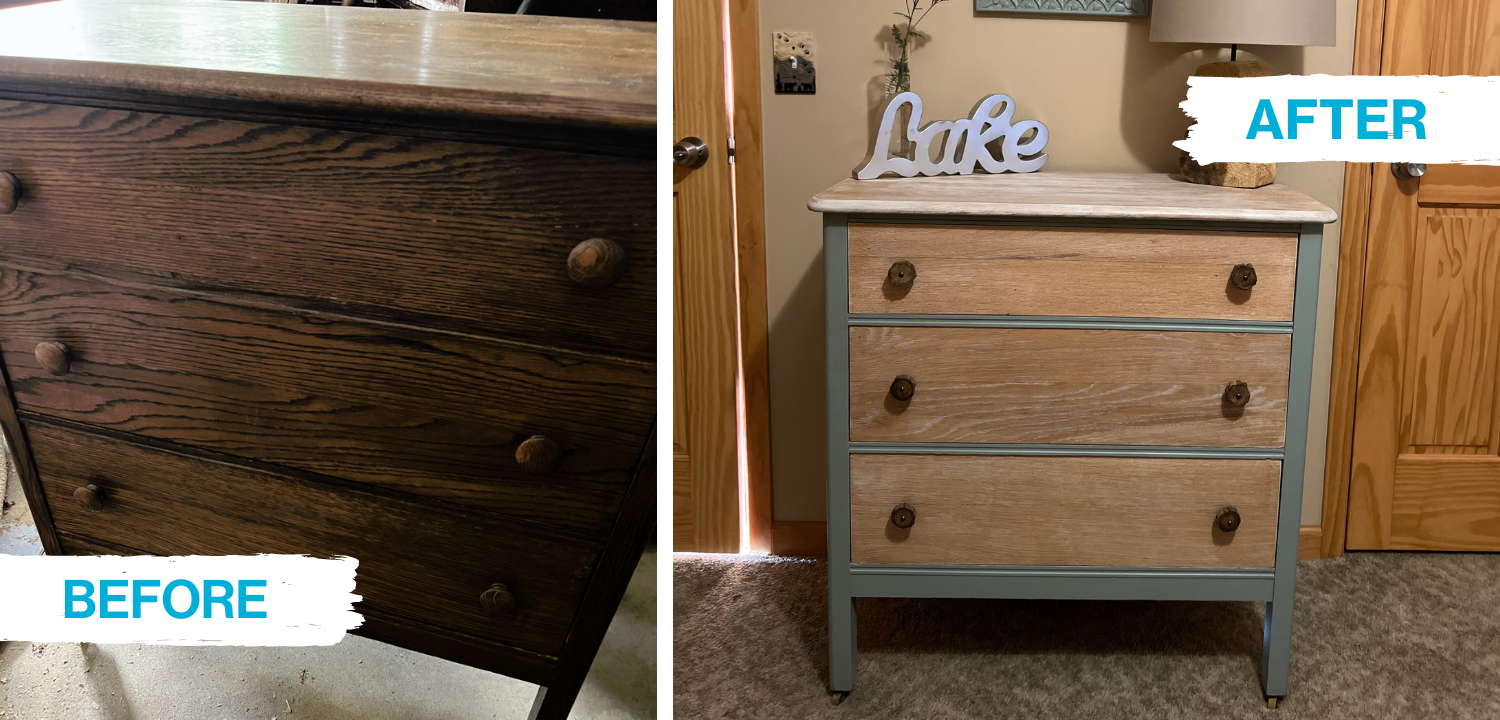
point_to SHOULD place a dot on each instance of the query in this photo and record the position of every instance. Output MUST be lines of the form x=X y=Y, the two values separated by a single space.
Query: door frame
x=750 y=236
x=1369 y=41
x=741 y=512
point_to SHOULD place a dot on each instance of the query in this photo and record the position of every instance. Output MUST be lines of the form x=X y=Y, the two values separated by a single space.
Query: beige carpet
x=1377 y=635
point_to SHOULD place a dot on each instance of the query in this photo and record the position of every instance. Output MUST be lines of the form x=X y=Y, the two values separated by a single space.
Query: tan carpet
x=1377 y=635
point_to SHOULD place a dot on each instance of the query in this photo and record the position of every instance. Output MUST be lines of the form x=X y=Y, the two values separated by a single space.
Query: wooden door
x=705 y=459
x=1426 y=446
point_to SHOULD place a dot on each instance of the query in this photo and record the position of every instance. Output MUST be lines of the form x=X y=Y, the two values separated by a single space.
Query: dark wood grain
x=455 y=646
x=167 y=503
x=460 y=235
x=606 y=588
x=589 y=81
x=20 y=451
x=415 y=411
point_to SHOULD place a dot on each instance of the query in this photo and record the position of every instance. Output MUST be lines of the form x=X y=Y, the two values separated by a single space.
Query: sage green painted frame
x=1275 y=587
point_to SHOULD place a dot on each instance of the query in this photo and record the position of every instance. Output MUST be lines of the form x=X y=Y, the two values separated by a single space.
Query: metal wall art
x=1117 y=8
x=965 y=143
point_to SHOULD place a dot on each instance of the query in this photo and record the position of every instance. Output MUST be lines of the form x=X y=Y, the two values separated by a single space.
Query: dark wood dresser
x=340 y=281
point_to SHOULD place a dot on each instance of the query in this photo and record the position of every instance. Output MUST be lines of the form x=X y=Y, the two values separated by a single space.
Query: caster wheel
x=1272 y=701
x=840 y=697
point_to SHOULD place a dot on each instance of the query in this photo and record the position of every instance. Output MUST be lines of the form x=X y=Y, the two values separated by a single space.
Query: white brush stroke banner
x=1457 y=117
x=259 y=600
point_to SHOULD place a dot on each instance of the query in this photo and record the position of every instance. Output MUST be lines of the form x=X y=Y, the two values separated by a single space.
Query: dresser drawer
x=998 y=270
x=1102 y=511
x=416 y=411
x=425 y=564
x=1024 y=385
x=472 y=236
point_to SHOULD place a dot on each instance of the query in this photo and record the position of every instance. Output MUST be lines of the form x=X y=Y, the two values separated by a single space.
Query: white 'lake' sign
x=966 y=142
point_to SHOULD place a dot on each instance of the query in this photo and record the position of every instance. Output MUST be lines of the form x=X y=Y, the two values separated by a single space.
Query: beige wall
x=1107 y=95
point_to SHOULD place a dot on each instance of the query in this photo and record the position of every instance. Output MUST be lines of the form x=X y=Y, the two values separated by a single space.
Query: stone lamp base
x=1230 y=174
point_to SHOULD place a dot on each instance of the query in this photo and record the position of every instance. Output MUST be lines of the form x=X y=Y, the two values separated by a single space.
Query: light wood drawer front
x=1023 y=385
x=415 y=411
x=428 y=563
x=469 y=236
x=974 y=270
x=1012 y=510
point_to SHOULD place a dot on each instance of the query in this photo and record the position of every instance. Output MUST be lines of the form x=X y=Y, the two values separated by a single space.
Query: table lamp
x=1235 y=23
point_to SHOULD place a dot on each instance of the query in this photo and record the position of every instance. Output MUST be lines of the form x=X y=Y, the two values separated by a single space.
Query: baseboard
x=810 y=538
x=1310 y=543
x=804 y=538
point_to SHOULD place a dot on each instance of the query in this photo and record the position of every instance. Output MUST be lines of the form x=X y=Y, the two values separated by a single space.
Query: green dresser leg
x=842 y=659
x=1277 y=654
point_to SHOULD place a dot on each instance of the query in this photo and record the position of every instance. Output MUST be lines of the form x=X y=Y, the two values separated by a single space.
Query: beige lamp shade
x=1244 y=22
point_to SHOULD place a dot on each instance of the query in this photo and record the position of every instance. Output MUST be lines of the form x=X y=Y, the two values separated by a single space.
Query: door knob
x=1408 y=171
x=904 y=516
x=689 y=152
x=1228 y=519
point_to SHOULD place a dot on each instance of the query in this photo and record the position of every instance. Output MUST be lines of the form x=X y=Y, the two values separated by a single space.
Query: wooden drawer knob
x=1243 y=276
x=1236 y=394
x=498 y=599
x=902 y=273
x=90 y=497
x=1228 y=519
x=904 y=516
x=10 y=193
x=903 y=388
x=596 y=262
x=539 y=455
x=53 y=357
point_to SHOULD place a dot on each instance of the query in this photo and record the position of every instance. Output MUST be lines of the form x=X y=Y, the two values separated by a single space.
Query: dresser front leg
x=843 y=658
x=1276 y=657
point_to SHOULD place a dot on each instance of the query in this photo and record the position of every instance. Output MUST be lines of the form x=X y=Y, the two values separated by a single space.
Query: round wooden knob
x=498 y=599
x=1243 y=276
x=539 y=455
x=10 y=193
x=53 y=357
x=1236 y=394
x=596 y=262
x=90 y=497
x=901 y=274
x=904 y=516
x=1228 y=519
x=903 y=387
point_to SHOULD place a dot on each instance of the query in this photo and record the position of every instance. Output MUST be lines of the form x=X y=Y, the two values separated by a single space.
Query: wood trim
x=810 y=539
x=750 y=232
x=1310 y=543
x=1348 y=304
x=609 y=96
x=802 y=537
x=705 y=312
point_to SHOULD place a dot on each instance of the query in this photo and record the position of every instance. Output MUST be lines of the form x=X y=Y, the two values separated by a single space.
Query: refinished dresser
x=1082 y=386
x=277 y=278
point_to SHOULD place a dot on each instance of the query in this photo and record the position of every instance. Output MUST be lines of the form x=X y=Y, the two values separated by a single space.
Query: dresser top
x=259 y=57
x=1075 y=195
